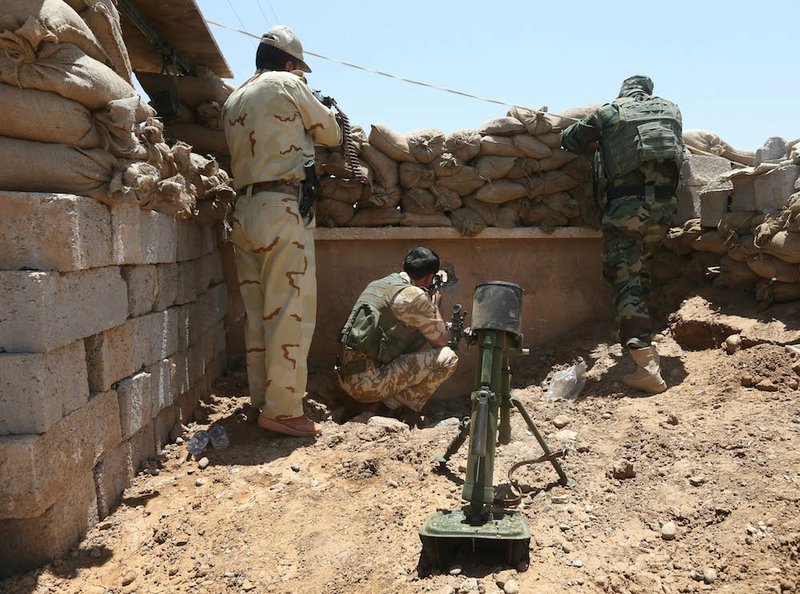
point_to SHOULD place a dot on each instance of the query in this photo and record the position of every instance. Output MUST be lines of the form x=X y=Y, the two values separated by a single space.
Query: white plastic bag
x=567 y=383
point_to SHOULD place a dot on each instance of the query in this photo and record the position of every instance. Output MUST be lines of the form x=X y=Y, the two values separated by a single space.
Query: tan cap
x=283 y=38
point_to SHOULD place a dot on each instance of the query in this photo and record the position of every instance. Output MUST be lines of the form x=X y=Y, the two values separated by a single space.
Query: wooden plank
x=182 y=25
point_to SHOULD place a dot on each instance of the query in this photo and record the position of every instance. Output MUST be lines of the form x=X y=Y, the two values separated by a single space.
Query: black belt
x=659 y=191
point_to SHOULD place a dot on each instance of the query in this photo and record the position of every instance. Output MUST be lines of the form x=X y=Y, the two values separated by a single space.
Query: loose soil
x=694 y=489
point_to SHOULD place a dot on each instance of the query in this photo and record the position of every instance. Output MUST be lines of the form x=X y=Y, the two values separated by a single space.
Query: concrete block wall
x=111 y=330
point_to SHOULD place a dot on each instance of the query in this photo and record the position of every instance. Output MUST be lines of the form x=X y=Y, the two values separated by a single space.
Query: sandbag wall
x=748 y=231
x=510 y=172
x=73 y=123
x=111 y=331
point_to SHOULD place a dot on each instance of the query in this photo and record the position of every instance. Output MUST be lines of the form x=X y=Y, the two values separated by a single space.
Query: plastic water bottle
x=567 y=383
x=198 y=442
x=219 y=439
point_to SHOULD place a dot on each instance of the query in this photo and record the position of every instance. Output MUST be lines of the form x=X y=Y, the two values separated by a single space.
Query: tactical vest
x=373 y=329
x=647 y=130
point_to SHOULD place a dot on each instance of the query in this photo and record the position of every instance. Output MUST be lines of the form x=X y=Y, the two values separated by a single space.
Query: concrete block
x=163 y=383
x=182 y=383
x=142 y=282
x=135 y=402
x=54 y=232
x=163 y=424
x=217 y=273
x=189 y=282
x=213 y=304
x=193 y=241
x=743 y=196
x=166 y=286
x=713 y=205
x=155 y=337
x=37 y=468
x=773 y=151
x=700 y=170
x=196 y=363
x=112 y=475
x=26 y=543
x=688 y=203
x=38 y=389
x=772 y=189
x=187 y=402
x=110 y=357
x=141 y=446
x=142 y=237
x=40 y=311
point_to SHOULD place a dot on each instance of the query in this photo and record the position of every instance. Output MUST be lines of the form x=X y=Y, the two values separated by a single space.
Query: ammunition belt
x=659 y=191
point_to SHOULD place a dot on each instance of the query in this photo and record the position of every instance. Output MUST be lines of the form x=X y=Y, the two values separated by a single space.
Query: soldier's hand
x=436 y=297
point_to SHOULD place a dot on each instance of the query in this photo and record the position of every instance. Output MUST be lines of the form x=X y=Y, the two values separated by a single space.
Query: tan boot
x=647 y=376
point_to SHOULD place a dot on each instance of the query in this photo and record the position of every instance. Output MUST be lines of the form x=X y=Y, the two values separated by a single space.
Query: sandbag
x=492 y=167
x=102 y=18
x=768 y=292
x=506 y=126
x=467 y=221
x=30 y=166
x=202 y=140
x=466 y=181
x=523 y=167
x=742 y=248
x=784 y=245
x=548 y=183
x=539 y=214
x=30 y=58
x=769 y=267
x=739 y=223
x=558 y=158
x=735 y=274
x=376 y=217
x=54 y=16
x=381 y=197
x=704 y=142
x=436 y=219
x=712 y=241
x=209 y=115
x=446 y=200
x=563 y=203
x=336 y=165
x=192 y=90
x=343 y=190
x=578 y=113
x=384 y=168
x=680 y=239
x=418 y=201
x=464 y=144
x=390 y=143
x=414 y=175
x=551 y=139
x=530 y=146
x=333 y=213
x=500 y=191
x=210 y=212
x=579 y=168
x=488 y=212
x=446 y=164
x=536 y=121
x=501 y=146
x=426 y=145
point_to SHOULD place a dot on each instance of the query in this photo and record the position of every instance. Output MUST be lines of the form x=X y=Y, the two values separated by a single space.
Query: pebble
x=295 y=467
x=561 y=421
x=456 y=570
x=709 y=575
x=129 y=578
x=668 y=530
x=393 y=484
x=623 y=469
x=511 y=587
x=577 y=563
x=559 y=499
x=247 y=585
x=696 y=481
x=566 y=547
x=202 y=464
x=200 y=482
x=733 y=343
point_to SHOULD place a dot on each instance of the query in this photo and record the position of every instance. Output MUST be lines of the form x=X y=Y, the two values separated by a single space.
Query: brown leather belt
x=283 y=186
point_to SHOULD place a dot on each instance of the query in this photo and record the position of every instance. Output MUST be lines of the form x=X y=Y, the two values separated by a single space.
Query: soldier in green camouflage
x=394 y=344
x=640 y=150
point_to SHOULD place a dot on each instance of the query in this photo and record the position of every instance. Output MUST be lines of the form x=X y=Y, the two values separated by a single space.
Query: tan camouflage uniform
x=271 y=124
x=412 y=378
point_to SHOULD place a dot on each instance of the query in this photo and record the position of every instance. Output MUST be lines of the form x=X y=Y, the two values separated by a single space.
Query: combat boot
x=647 y=376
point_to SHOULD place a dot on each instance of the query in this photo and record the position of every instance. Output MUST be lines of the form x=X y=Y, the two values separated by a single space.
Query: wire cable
x=264 y=14
x=238 y=18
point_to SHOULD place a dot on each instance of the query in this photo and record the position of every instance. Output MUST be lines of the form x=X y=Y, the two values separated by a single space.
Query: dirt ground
x=694 y=489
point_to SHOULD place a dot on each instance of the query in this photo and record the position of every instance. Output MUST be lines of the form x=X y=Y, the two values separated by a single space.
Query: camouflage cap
x=636 y=84
x=283 y=38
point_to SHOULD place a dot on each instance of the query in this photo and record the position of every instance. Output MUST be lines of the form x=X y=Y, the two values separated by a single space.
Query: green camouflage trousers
x=632 y=228
x=410 y=379
x=277 y=279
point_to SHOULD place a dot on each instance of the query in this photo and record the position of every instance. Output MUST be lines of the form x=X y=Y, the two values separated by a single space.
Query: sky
x=728 y=65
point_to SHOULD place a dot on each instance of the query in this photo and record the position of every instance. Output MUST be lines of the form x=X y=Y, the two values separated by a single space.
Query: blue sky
x=730 y=66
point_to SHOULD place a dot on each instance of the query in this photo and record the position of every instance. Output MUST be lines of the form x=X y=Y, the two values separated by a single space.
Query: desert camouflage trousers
x=632 y=228
x=410 y=379
x=277 y=279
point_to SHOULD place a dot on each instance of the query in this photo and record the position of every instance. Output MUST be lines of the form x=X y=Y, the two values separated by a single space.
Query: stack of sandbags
x=704 y=142
x=71 y=121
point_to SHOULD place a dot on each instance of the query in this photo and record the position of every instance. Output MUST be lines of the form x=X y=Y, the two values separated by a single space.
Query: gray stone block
x=142 y=237
x=141 y=446
x=182 y=383
x=688 y=204
x=112 y=475
x=36 y=468
x=164 y=384
x=155 y=337
x=38 y=389
x=54 y=232
x=193 y=241
x=700 y=170
x=189 y=281
x=163 y=424
x=743 y=197
x=110 y=357
x=166 y=286
x=135 y=402
x=26 y=543
x=217 y=273
x=773 y=151
x=142 y=283
x=40 y=311
x=773 y=189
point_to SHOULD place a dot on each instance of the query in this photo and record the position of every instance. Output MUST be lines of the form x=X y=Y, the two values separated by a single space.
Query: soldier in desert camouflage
x=271 y=124
x=395 y=341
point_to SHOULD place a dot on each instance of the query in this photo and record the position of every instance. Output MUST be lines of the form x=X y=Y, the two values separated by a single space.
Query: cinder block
x=772 y=189
x=743 y=196
x=189 y=281
x=213 y=304
x=141 y=446
x=713 y=205
x=112 y=475
x=54 y=232
x=155 y=337
x=166 y=286
x=110 y=357
x=163 y=425
x=700 y=170
x=29 y=542
x=688 y=203
x=38 y=389
x=193 y=241
x=142 y=282
x=164 y=384
x=142 y=237
x=40 y=311
x=36 y=468
x=135 y=402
